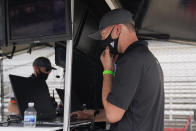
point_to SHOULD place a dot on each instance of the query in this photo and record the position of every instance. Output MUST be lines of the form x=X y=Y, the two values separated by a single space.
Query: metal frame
x=2 y=88
x=67 y=82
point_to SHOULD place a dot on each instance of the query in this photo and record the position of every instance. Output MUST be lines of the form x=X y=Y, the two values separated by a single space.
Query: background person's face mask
x=42 y=76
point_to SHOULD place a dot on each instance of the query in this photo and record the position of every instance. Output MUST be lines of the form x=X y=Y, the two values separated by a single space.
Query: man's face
x=113 y=39
x=105 y=32
x=38 y=70
x=44 y=70
x=41 y=72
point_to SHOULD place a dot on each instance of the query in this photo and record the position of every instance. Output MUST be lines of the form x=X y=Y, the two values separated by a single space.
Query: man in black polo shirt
x=42 y=68
x=133 y=96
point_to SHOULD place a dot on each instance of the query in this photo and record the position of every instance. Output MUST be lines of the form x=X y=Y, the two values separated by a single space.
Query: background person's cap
x=43 y=62
x=117 y=16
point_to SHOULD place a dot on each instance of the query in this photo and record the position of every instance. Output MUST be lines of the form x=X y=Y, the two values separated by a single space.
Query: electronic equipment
x=33 y=90
x=177 y=22
x=76 y=105
x=83 y=43
x=60 y=55
x=37 y=21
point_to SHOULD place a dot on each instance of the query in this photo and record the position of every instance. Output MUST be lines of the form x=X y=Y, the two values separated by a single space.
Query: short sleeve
x=12 y=98
x=125 y=82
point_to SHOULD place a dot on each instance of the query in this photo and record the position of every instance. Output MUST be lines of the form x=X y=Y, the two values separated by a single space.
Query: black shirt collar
x=33 y=76
x=136 y=44
x=132 y=46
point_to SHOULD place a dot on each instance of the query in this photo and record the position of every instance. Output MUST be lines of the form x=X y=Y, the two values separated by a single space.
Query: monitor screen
x=60 y=55
x=32 y=19
x=86 y=78
x=33 y=90
x=178 y=20
x=83 y=42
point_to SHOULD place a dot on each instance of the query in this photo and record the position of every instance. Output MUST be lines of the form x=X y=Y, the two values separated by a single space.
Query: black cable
x=92 y=125
x=30 y=48
x=13 y=51
x=35 y=44
x=11 y=119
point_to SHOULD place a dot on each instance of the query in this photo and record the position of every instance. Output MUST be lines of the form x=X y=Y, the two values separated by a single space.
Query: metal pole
x=68 y=70
x=2 y=88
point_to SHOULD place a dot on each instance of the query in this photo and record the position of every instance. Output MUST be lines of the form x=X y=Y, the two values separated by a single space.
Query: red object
x=188 y=123
x=180 y=129
x=192 y=7
x=13 y=101
x=173 y=129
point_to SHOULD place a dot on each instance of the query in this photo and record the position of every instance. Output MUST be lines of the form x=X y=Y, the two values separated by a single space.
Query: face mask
x=42 y=76
x=112 y=43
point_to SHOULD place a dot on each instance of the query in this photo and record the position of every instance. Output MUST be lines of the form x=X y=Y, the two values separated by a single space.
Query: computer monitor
x=36 y=21
x=33 y=90
x=83 y=43
x=76 y=104
x=60 y=55
x=86 y=76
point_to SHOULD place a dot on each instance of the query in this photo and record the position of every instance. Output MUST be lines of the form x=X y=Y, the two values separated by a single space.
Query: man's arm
x=100 y=117
x=112 y=112
x=13 y=108
x=89 y=114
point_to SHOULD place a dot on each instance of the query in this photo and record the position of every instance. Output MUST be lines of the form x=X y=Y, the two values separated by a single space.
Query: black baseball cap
x=43 y=62
x=117 y=16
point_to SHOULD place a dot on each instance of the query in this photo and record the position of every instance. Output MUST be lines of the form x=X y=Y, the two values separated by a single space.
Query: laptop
x=32 y=90
x=76 y=104
x=60 y=92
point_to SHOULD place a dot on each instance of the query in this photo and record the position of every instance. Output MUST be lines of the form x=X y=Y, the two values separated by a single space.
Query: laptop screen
x=33 y=90
x=76 y=104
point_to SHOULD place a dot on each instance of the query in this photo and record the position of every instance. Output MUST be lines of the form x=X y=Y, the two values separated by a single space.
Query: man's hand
x=113 y=113
x=88 y=115
x=83 y=115
x=108 y=59
x=13 y=108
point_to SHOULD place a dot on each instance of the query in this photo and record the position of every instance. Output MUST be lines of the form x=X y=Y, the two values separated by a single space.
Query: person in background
x=42 y=68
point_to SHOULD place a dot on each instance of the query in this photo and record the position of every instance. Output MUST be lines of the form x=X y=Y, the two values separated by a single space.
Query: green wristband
x=108 y=72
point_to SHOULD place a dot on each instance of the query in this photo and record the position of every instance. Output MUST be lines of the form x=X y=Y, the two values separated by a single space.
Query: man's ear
x=36 y=70
x=118 y=30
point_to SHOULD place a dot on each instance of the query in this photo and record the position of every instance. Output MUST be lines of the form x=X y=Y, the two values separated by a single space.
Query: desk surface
x=30 y=129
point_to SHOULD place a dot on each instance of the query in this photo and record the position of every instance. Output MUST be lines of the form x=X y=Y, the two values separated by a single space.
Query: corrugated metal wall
x=179 y=66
